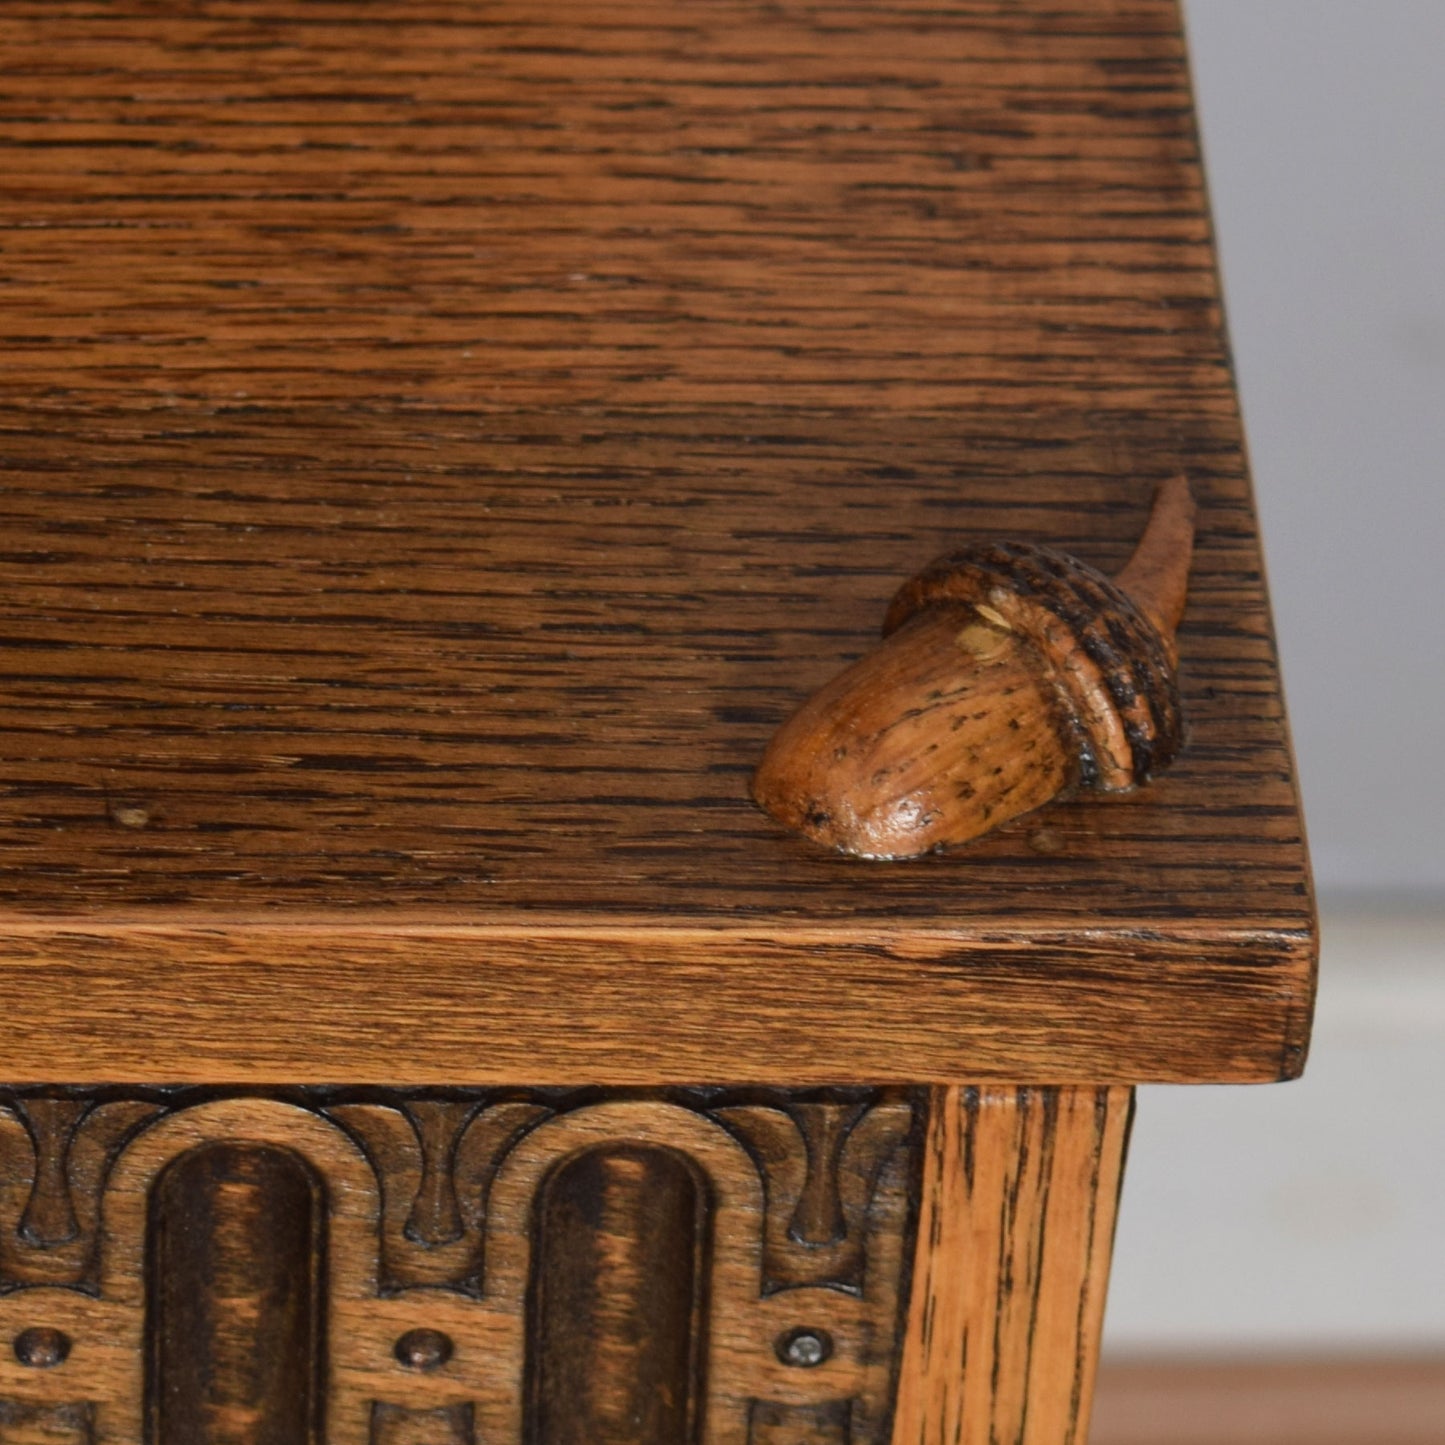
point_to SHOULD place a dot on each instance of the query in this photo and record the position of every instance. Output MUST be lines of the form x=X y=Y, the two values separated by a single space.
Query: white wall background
x=1324 y=137
x=1310 y=1217
x=1313 y=1216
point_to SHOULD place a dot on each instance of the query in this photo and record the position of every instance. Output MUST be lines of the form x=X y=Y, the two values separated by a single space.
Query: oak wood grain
x=258 y=1003
x=1010 y=675
x=1016 y=1228
x=441 y=442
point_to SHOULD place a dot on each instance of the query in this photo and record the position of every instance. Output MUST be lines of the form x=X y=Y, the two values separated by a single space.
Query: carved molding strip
x=430 y=1269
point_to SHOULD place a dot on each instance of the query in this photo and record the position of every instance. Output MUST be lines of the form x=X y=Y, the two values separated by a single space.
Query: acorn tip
x=1156 y=577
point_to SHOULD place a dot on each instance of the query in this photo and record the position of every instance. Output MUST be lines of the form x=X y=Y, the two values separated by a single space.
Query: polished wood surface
x=616 y=1344
x=443 y=441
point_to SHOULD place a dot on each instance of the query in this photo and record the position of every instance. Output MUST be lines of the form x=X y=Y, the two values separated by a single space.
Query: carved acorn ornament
x=1009 y=674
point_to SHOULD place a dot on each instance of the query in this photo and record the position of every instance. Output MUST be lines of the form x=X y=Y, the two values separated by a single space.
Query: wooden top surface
x=441 y=441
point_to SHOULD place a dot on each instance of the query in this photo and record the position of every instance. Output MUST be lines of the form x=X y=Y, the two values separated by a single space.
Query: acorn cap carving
x=1009 y=674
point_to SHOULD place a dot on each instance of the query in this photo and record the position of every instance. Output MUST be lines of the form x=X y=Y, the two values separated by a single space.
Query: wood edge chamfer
x=1009 y=674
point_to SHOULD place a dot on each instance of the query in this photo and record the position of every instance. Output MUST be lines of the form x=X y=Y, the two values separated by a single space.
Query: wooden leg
x=1015 y=1230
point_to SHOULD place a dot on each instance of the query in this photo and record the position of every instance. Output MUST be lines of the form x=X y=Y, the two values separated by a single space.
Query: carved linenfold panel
x=234 y=1326
x=435 y=1218
x=434 y=1161
x=515 y=1266
x=49 y=1220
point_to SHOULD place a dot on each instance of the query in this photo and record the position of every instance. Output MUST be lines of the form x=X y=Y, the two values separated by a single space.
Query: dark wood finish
x=1175 y=1003
x=616 y=1306
x=822 y=1160
x=235 y=1327
x=771 y=1424
x=41 y=1347
x=445 y=441
x=435 y=1160
x=56 y=1152
x=424 y=1349
x=702 y=1264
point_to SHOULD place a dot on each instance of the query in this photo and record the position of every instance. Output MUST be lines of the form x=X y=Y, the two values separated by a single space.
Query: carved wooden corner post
x=452 y=439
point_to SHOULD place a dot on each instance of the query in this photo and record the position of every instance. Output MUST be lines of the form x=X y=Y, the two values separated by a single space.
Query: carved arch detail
x=430 y=1226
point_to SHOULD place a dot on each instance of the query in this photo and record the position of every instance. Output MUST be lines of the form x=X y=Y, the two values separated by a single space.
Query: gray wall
x=1324 y=136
